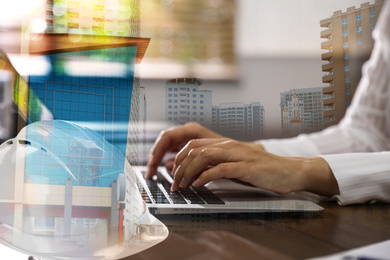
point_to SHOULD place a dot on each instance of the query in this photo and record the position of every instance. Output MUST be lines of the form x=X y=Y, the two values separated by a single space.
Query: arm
x=363 y=174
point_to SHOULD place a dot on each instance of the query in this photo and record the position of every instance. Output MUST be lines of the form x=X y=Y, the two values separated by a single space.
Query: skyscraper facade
x=185 y=102
x=348 y=42
x=302 y=111
x=239 y=120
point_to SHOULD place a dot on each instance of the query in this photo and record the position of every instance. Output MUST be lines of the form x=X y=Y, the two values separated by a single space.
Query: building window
x=175 y=89
x=358 y=18
x=170 y=89
x=345 y=21
x=348 y=91
x=346 y=56
x=201 y=102
x=170 y=113
x=194 y=107
x=170 y=95
x=345 y=33
x=201 y=113
x=194 y=90
x=347 y=80
x=169 y=106
x=175 y=101
x=346 y=68
x=359 y=29
x=373 y=26
x=201 y=107
x=194 y=113
x=170 y=101
x=201 y=96
x=345 y=45
x=170 y=118
x=372 y=14
x=194 y=101
x=175 y=107
x=359 y=41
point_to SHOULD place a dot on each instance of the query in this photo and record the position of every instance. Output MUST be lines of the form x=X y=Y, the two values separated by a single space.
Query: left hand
x=204 y=160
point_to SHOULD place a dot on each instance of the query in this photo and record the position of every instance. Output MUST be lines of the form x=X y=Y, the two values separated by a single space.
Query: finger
x=167 y=141
x=193 y=144
x=230 y=170
x=197 y=161
x=169 y=163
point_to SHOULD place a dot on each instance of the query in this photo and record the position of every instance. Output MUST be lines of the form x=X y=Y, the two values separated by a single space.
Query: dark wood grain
x=272 y=236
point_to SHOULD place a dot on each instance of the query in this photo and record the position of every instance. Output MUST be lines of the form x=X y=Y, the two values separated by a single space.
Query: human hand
x=204 y=160
x=173 y=140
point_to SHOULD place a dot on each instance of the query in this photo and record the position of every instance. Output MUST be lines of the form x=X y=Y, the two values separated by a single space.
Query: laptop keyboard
x=160 y=192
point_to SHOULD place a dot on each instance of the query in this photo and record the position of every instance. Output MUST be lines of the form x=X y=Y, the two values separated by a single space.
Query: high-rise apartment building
x=302 y=110
x=239 y=120
x=185 y=102
x=348 y=44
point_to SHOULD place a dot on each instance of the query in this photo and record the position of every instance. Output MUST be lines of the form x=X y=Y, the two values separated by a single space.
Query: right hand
x=173 y=140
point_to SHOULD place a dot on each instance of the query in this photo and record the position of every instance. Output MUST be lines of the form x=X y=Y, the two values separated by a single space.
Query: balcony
x=327 y=55
x=328 y=90
x=326 y=23
x=327 y=66
x=329 y=113
x=327 y=45
x=328 y=78
x=326 y=33
x=328 y=101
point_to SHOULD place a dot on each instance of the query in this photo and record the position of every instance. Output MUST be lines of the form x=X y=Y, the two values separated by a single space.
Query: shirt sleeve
x=358 y=148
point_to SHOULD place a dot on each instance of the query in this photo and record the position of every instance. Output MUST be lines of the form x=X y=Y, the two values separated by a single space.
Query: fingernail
x=196 y=182
x=182 y=183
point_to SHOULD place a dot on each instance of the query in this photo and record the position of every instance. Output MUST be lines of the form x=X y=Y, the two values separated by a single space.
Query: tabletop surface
x=272 y=236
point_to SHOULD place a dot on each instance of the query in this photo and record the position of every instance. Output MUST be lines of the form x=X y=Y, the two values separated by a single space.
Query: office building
x=348 y=42
x=302 y=111
x=185 y=102
x=98 y=17
x=91 y=80
x=195 y=37
x=239 y=120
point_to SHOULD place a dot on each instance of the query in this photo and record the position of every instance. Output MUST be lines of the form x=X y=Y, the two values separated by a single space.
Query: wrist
x=316 y=176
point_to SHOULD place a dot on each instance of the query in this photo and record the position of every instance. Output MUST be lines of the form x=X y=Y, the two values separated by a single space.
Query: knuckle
x=192 y=153
x=191 y=124
x=192 y=142
x=206 y=152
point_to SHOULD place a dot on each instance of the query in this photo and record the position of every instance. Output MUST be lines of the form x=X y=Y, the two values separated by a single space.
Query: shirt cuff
x=362 y=177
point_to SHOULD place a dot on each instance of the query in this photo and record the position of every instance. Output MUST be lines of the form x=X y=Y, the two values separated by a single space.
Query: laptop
x=220 y=196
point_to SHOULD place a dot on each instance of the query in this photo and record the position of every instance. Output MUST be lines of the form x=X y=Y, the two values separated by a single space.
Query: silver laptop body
x=221 y=196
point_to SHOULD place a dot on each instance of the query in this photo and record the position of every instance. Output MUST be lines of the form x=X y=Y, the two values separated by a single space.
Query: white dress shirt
x=358 y=148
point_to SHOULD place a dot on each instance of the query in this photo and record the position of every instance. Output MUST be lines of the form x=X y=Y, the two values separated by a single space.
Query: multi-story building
x=239 y=120
x=302 y=110
x=99 y=17
x=91 y=81
x=348 y=44
x=185 y=102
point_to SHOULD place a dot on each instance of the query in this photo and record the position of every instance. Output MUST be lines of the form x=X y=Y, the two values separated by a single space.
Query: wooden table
x=272 y=236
